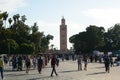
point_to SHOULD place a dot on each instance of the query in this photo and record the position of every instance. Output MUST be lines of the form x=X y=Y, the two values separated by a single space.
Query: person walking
x=57 y=61
x=34 y=61
x=28 y=64
x=39 y=64
x=14 y=63
x=107 y=63
x=85 y=63
x=19 y=62
x=53 y=64
x=1 y=68
x=111 y=61
x=79 y=63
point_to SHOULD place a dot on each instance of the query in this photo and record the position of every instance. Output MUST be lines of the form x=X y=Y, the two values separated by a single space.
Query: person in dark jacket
x=107 y=63
x=39 y=64
x=85 y=62
x=28 y=64
x=53 y=64
x=79 y=62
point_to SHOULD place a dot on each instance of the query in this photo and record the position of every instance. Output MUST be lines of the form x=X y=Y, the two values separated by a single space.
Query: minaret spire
x=63 y=20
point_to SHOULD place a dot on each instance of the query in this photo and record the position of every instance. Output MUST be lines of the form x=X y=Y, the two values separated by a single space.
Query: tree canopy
x=20 y=38
x=95 y=38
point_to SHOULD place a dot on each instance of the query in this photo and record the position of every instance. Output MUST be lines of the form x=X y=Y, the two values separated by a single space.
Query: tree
x=52 y=45
x=95 y=37
x=26 y=48
x=10 y=21
x=8 y=46
x=112 y=38
x=1 y=16
x=89 y=40
x=5 y=15
x=17 y=17
x=23 y=18
x=34 y=28
x=45 y=41
x=1 y=23
x=20 y=34
x=36 y=39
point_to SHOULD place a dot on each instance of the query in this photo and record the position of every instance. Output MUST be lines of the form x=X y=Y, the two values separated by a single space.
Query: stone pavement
x=66 y=71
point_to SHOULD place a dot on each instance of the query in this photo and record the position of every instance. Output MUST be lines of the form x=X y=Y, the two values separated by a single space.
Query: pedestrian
x=53 y=64
x=39 y=64
x=57 y=61
x=14 y=63
x=107 y=63
x=85 y=62
x=28 y=64
x=79 y=62
x=34 y=61
x=19 y=62
x=1 y=68
x=111 y=61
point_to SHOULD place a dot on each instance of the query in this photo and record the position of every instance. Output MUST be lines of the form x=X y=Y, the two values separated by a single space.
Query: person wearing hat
x=1 y=67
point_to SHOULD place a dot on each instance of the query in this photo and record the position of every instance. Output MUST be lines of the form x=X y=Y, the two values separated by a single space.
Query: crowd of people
x=18 y=62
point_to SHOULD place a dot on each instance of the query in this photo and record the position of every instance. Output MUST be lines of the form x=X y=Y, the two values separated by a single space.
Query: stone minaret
x=63 y=36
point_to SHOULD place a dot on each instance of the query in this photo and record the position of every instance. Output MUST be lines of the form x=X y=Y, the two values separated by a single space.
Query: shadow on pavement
x=97 y=73
x=46 y=77
x=15 y=75
x=68 y=71
x=12 y=70
x=99 y=67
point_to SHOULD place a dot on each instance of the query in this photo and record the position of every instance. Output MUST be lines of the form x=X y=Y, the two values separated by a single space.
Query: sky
x=78 y=14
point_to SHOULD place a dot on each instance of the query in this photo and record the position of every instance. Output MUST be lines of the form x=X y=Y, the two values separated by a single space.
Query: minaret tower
x=63 y=36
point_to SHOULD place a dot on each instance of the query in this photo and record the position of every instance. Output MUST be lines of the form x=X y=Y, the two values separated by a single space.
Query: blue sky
x=79 y=14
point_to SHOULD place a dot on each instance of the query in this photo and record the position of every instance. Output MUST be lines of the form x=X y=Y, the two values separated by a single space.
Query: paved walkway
x=67 y=71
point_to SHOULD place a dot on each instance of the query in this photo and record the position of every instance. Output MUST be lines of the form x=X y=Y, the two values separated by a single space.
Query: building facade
x=63 y=36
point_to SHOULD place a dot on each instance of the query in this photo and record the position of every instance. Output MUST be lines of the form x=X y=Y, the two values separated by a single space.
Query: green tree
x=8 y=46
x=45 y=41
x=89 y=40
x=36 y=38
x=17 y=17
x=112 y=38
x=1 y=23
x=34 y=28
x=21 y=34
x=10 y=21
x=23 y=18
x=26 y=48
x=5 y=15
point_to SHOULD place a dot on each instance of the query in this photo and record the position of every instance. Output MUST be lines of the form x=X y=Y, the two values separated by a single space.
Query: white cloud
x=107 y=16
x=11 y=5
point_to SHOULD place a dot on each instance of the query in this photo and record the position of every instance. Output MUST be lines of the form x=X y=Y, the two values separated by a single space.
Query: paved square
x=66 y=71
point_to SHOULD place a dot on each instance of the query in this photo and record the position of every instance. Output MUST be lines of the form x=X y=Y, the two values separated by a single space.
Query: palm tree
x=52 y=45
x=23 y=18
x=34 y=28
x=5 y=15
x=10 y=21
x=37 y=40
x=1 y=16
x=14 y=18
x=17 y=17
x=1 y=23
